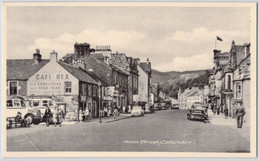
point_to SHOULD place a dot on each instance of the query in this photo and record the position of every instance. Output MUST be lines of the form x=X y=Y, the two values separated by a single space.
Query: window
x=89 y=90
x=17 y=103
x=67 y=87
x=13 y=88
x=238 y=90
x=36 y=103
x=45 y=103
x=84 y=89
x=9 y=103
x=229 y=82
x=50 y=103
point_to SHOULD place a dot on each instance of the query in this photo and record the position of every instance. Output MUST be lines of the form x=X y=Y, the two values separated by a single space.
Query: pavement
x=229 y=122
x=163 y=131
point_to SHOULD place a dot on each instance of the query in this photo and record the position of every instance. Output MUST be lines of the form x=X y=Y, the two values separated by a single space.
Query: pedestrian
x=87 y=115
x=105 y=111
x=109 y=111
x=240 y=112
x=115 y=110
x=55 y=116
x=123 y=109
x=212 y=106
x=47 y=115
x=80 y=116
x=226 y=112
x=60 y=116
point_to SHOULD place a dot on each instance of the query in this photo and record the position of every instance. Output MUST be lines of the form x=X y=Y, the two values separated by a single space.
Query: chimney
x=37 y=56
x=53 y=56
x=137 y=60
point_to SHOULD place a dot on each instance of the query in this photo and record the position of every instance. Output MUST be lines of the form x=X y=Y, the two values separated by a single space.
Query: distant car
x=163 y=105
x=197 y=113
x=157 y=107
x=174 y=106
x=137 y=111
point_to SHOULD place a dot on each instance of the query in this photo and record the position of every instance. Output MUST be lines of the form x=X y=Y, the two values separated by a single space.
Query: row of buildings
x=189 y=96
x=229 y=81
x=91 y=78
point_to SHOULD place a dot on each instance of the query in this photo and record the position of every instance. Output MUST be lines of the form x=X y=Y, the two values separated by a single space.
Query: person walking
x=47 y=115
x=240 y=112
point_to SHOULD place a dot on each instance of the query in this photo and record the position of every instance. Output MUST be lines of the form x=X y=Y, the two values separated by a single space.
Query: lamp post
x=100 y=94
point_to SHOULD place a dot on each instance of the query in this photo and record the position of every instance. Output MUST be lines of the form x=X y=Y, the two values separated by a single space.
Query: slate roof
x=102 y=70
x=23 y=69
x=98 y=55
x=79 y=73
x=96 y=78
x=146 y=67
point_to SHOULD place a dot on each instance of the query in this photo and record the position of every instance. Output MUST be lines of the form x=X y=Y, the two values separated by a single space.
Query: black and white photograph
x=103 y=79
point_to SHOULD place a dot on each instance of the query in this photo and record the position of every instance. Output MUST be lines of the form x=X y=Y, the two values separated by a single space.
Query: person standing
x=225 y=111
x=87 y=115
x=240 y=112
x=55 y=116
x=80 y=116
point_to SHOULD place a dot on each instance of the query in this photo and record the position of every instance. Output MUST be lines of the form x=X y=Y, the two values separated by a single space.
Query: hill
x=170 y=82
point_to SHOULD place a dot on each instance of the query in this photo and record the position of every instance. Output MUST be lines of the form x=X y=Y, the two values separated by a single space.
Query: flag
x=218 y=38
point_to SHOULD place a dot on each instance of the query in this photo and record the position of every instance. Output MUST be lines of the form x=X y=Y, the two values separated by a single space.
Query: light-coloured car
x=137 y=111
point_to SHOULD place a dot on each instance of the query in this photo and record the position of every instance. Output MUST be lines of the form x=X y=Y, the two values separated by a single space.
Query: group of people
x=239 y=112
x=84 y=115
x=54 y=117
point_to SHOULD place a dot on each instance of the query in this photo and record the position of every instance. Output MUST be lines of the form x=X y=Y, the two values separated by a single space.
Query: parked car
x=197 y=113
x=175 y=106
x=137 y=111
x=164 y=107
x=157 y=106
x=15 y=104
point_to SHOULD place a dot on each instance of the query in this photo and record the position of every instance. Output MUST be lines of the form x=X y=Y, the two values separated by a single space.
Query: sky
x=173 y=38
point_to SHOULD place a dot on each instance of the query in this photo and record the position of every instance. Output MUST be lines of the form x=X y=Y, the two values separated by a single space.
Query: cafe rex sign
x=51 y=80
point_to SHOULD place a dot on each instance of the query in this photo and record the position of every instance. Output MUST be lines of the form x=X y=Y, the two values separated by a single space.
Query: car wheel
x=29 y=118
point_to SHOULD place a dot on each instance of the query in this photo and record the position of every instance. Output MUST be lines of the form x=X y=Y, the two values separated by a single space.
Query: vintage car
x=164 y=107
x=15 y=104
x=197 y=113
x=157 y=106
x=137 y=111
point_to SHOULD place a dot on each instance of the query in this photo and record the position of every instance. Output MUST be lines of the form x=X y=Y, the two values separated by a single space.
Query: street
x=164 y=131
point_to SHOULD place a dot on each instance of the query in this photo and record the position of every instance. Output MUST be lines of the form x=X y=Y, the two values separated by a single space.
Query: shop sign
x=112 y=92
x=108 y=98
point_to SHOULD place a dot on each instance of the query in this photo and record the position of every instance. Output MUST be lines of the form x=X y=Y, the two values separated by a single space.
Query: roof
x=23 y=69
x=120 y=61
x=96 y=78
x=101 y=69
x=79 y=73
x=98 y=55
x=146 y=67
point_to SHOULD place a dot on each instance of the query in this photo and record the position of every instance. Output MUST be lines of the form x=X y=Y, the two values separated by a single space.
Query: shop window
x=67 y=87
x=13 y=88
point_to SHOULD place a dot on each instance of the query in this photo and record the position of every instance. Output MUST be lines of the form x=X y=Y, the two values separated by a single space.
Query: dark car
x=197 y=113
